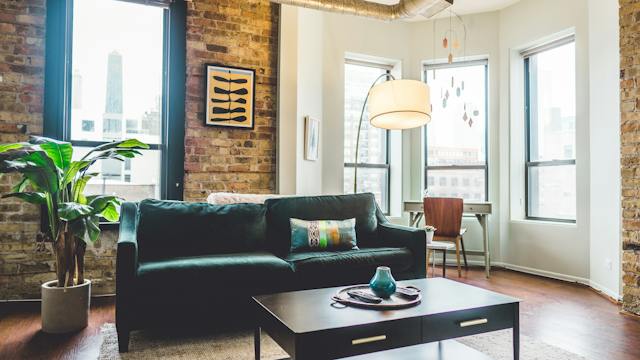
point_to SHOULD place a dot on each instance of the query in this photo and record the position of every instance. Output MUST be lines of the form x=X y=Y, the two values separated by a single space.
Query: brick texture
x=233 y=33
x=630 y=151
x=229 y=32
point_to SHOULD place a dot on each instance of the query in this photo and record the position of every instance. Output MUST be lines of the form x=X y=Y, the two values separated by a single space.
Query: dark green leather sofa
x=201 y=263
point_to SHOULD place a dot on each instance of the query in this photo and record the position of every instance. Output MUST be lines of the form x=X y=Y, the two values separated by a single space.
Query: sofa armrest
x=126 y=264
x=412 y=238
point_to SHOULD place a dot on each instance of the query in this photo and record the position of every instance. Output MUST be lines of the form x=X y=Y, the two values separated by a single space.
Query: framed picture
x=230 y=96
x=311 y=138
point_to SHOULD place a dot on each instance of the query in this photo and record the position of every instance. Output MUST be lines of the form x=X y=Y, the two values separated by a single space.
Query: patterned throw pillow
x=323 y=235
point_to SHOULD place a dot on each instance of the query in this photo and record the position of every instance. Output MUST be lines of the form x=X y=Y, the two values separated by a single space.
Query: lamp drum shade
x=399 y=104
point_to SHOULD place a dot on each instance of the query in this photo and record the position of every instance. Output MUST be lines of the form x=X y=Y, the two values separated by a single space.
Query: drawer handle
x=368 y=340
x=473 y=322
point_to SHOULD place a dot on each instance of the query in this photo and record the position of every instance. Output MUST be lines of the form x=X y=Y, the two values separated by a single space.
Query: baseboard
x=27 y=301
x=606 y=292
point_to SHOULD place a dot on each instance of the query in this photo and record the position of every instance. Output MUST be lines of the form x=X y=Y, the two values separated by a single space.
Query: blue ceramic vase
x=383 y=284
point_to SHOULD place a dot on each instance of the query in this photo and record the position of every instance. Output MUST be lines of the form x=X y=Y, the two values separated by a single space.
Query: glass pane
x=552 y=104
x=466 y=184
x=133 y=179
x=117 y=71
x=457 y=131
x=369 y=180
x=373 y=141
x=552 y=192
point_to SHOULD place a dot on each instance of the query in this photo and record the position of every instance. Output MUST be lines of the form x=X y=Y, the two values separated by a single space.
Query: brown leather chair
x=445 y=214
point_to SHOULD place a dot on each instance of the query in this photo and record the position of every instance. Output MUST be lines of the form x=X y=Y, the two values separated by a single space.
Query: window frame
x=58 y=82
x=528 y=163
x=387 y=165
x=485 y=167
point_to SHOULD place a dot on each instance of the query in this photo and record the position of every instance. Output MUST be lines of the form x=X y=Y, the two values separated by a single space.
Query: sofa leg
x=123 y=341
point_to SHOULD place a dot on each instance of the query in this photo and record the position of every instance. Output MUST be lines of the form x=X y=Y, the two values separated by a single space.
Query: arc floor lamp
x=394 y=105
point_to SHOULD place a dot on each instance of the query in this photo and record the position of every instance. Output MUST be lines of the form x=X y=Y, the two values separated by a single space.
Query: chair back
x=445 y=214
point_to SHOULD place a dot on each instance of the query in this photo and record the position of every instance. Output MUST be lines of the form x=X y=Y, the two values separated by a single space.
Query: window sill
x=109 y=226
x=544 y=223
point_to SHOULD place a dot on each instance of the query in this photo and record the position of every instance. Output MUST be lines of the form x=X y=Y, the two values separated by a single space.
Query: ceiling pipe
x=404 y=9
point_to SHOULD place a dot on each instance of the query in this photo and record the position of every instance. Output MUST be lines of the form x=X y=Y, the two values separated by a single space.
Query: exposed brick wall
x=630 y=151
x=229 y=32
x=234 y=33
x=21 y=88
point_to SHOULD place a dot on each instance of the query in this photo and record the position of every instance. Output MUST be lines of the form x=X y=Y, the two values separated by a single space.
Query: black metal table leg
x=256 y=342
x=516 y=331
x=444 y=263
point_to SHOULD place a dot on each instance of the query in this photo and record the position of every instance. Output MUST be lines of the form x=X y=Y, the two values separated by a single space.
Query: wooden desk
x=481 y=210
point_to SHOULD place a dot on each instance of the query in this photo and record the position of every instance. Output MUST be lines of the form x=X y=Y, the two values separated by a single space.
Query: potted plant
x=51 y=179
x=430 y=230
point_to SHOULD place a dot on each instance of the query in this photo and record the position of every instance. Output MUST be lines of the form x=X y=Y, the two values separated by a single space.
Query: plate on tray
x=394 y=302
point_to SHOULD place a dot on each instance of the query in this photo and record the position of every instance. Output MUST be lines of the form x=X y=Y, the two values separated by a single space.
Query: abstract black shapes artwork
x=230 y=96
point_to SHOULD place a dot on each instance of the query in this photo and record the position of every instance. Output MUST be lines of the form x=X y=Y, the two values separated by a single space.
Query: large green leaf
x=30 y=197
x=106 y=206
x=86 y=228
x=70 y=211
x=123 y=144
x=73 y=169
x=14 y=146
x=77 y=190
x=38 y=168
x=21 y=185
x=60 y=152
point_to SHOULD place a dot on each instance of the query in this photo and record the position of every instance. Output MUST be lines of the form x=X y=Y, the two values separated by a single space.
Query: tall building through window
x=373 y=157
x=117 y=61
x=456 y=137
x=550 y=110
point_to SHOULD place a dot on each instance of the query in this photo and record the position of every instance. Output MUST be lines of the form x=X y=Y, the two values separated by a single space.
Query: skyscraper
x=112 y=118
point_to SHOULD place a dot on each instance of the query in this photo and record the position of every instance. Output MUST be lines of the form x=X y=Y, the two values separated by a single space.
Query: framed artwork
x=311 y=138
x=230 y=96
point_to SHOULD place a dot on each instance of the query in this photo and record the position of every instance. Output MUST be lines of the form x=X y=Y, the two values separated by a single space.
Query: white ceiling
x=463 y=7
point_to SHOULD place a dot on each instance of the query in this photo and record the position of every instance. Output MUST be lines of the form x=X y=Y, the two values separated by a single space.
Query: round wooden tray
x=392 y=303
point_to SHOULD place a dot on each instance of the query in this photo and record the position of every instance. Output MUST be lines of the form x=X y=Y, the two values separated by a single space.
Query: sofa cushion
x=213 y=276
x=168 y=229
x=362 y=207
x=346 y=267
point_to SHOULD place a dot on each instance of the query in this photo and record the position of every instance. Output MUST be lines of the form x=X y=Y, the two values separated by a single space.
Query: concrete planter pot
x=65 y=310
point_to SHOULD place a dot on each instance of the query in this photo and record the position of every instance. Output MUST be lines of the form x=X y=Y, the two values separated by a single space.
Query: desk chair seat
x=431 y=250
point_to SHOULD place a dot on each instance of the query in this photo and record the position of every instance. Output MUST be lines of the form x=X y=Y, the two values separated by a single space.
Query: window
x=126 y=63
x=88 y=125
x=132 y=126
x=550 y=111
x=456 y=137
x=373 y=157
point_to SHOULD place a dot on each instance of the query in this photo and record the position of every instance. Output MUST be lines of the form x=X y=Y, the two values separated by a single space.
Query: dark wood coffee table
x=307 y=325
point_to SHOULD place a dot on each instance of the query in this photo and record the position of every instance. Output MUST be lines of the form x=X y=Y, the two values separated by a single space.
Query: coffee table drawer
x=361 y=339
x=467 y=322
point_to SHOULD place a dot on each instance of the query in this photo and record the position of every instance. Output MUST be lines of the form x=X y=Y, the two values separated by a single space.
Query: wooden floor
x=566 y=315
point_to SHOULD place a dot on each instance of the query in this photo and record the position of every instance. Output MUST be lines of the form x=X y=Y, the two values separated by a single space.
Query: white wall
x=550 y=247
x=604 y=122
x=301 y=95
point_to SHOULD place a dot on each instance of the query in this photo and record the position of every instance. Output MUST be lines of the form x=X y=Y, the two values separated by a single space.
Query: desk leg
x=482 y=218
x=414 y=218
x=516 y=332
x=256 y=342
